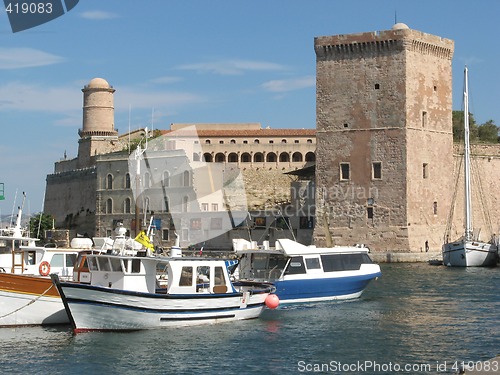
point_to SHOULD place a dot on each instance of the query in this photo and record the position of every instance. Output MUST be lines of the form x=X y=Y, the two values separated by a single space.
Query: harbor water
x=415 y=319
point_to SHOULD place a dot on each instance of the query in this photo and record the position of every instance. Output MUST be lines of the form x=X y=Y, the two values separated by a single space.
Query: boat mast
x=468 y=219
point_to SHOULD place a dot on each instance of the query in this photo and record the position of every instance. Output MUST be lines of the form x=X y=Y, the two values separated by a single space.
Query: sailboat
x=469 y=251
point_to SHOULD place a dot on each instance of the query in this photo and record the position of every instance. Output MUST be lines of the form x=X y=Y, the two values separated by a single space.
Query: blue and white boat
x=307 y=273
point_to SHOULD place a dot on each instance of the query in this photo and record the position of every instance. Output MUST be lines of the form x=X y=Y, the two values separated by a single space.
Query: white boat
x=307 y=273
x=469 y=251
x=126 y=293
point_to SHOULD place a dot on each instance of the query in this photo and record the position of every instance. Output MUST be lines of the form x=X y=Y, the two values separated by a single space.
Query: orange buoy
x=272 y=301
x=44 y=268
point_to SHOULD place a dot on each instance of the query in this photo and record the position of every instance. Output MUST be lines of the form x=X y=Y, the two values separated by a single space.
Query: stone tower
x=384 y=168
x=98 y=121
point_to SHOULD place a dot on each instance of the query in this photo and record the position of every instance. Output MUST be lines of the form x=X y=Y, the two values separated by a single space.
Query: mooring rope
x=29 y=303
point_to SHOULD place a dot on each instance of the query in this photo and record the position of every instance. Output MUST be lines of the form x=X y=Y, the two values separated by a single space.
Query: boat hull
x=93 y=308
x=340 y=286
x=470 y=254
x=29 y=300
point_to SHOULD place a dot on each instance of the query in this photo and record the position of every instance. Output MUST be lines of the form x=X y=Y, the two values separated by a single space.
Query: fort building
x=384 y=139
x=182 y=172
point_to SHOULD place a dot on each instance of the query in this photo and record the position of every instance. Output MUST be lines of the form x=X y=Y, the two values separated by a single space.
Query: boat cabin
x=290 y=259
x=154 y=274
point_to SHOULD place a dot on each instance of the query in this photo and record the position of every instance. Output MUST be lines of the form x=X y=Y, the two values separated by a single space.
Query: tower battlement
x=382 y=42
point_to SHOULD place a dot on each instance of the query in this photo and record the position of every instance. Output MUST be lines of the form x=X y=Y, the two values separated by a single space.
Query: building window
x=309 y=141
x=345 y=172
x=283 y=141
x=127 y=181
x=109 y=206
x=346 y=125
x=220 y=157
x=377 y=86
x=221 y=142
x=271 y=141
x=296 y=141
x=284 y=157
x=369 y=212
x=245 y=142
x=297 y=157
x=109 y=181
x=310 y=156
x=233 y=141
x=207 y=157
x=215 y=207
x=207 y=141
x=435 y=208
x=424 y=119
x=232 y=157
x=271 y=157
x=186 y=179
x=126 y=208
x=164 y=235
x=256 y=141
x=425 y=170
x=204 y=206
x=246 y=157
x=377 y=170
x=258 y=157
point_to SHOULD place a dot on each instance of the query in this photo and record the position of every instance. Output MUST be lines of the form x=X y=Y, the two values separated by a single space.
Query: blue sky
x=202 y=61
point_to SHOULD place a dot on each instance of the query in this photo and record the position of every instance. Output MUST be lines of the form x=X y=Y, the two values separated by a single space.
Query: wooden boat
x=124 y=293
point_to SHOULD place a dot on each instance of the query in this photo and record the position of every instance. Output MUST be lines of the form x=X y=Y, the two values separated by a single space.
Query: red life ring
x=44 y=268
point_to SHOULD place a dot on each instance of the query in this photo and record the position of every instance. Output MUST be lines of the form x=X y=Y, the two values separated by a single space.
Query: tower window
x=435 y=208
x=369 y=212
x=424 y=119
x=377 y=86
x=377 y=170
x=346 y=125
x=425 y=170
x=344 y=171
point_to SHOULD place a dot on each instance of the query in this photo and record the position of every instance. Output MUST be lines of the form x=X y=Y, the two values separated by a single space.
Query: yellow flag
x=144 y=240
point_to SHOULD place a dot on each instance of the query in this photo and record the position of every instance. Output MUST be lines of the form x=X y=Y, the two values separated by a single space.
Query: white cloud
x=285 y=85
x=67 y=100
x=98 y=15
x=232 y=67
x=17 y=58
x=165 y=80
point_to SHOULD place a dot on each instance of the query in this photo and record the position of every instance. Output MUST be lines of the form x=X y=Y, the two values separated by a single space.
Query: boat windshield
x=263 y=267
x=344 y=262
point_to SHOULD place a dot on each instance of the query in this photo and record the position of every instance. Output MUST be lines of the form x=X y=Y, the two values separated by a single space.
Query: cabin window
x=92 y=264
x=103 y=264
x=296 y=266
x=31 y=256
x=57 y=260
x=115 y=264
x=344 y=262
x=312 y=263
x=202 y=278
x=70 y=260
x=136 y=266
x=186 y=276
x=219 y=276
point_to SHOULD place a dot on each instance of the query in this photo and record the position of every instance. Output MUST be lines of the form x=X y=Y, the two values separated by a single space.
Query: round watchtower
x=98 y=109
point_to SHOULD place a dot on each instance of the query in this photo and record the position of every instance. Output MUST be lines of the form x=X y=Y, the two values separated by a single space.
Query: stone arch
x=310 y=156
x=232 y=157
x=246 y=157
x=258 y=157
x=284 y=157
x=207 y=157
x=271 y=157
x=297 y=157
x=220 y=157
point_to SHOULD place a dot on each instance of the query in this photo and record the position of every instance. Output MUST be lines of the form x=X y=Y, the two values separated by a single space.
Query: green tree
x=458 y=126
x=39 y=223
x=488 y=132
